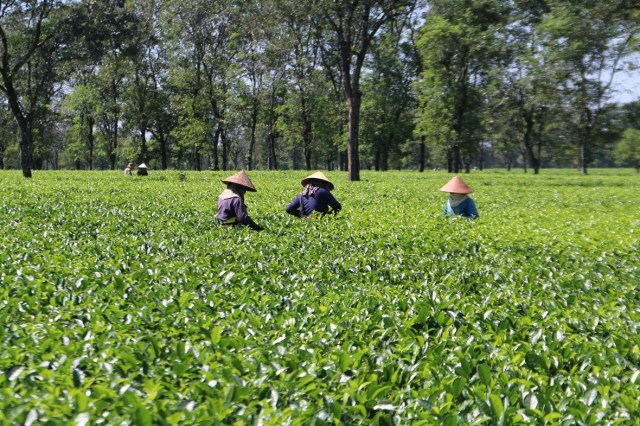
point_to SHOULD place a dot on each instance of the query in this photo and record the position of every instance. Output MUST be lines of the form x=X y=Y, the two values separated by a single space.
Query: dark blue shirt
x=320 y=202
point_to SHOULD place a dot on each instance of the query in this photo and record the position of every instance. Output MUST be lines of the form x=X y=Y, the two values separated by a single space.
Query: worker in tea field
x=315 y=197
x=127 y=170
x=231 y=208
x=459 y=202
x=142 y=170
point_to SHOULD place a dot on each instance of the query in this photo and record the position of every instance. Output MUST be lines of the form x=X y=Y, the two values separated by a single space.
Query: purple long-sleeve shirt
x=231 y=205
x=320 y=202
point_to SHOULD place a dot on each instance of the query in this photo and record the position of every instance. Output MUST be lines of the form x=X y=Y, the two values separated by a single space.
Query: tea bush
x=123 y=302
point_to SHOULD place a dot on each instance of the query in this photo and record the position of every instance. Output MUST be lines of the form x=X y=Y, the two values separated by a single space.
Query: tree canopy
x=380 y=84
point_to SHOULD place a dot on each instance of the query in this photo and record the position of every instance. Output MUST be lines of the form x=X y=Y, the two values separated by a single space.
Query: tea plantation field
x=123 y=302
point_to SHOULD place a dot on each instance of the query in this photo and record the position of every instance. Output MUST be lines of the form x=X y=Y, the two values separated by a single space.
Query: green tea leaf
x=496 y=405
x=484 y=372
x=216 y=332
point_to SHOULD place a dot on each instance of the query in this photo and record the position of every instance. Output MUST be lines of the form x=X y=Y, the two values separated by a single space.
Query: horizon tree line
x=348 y=85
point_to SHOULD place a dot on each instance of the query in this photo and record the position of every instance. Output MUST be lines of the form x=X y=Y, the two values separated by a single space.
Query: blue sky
x=627 y=86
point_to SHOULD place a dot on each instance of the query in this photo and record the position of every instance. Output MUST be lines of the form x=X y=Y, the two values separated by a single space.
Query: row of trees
x=272 y=84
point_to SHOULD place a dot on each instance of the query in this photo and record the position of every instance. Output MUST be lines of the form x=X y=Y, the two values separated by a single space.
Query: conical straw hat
x=318 y=176
x=242 y=179
x=456 y=186
x=142 y=166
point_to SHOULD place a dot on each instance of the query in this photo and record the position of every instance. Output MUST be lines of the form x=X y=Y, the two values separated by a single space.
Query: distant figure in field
x=459 y=202
x=315 y=197
x=231 y=208
x=127 y=170
x=142 y=170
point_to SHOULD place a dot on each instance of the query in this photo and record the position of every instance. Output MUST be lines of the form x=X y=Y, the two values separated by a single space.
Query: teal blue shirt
x=467 y=208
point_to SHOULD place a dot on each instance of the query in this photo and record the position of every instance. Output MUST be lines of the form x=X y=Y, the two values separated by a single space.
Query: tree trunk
x=385 y=159
x=582 y=157
x=218 y=136
x=25 y=149
x=535 y=165
x=216 y=141
x=459 y=113
x=114 y=146
x=116 y=119
x=90 y=140
x=353 y=155
x=26 y=162
x=307 y=130
x=273 y=162
x=307 y=158
x=457 y=158
x=528 y=143
x=533 y=160
x=345 y=161
x=55 y=161
x=143 y=144
x=197 y=160
x=252 y=140
x=583 y=150
x=538 y=137
x=421 y=159
x=225 y=150
x=353 y=97
x=306 y=140
x=162 y=140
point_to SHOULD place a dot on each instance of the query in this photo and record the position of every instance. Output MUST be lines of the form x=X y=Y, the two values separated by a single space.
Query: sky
x=626 y=86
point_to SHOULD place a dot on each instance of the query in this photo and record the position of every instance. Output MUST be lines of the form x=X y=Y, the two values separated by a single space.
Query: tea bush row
x=124 y=302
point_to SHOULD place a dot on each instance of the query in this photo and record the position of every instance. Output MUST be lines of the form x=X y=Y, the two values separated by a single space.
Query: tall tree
x=109 y=28
x=26 y=28
x=589 y=39
x=255 y=73
x=161 y=116
x=204 y=43
x=457 y=47
x=388 y=120
x=352 y=27
x=522 y=87
x=139 y=94
x=80 y=109
x=627 y=150
x=299 y=112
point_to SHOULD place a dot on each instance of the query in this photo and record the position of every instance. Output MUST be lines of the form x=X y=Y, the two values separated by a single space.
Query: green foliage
x=585 y=40
x=627 y=150
x=458 y=44
x=123 y=302
x=388 y=109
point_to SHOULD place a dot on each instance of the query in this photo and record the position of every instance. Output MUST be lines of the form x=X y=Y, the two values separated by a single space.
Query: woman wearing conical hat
x=127 y=170
x=231 y=208
x=459 y=202
x=142 y=170
x=315 y=197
